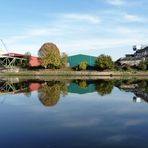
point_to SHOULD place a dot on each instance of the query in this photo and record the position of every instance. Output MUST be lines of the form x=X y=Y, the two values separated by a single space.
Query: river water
x=74 y=114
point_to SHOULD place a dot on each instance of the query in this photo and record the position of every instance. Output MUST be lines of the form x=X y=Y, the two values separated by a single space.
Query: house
x=34 y=61
x=140 y=54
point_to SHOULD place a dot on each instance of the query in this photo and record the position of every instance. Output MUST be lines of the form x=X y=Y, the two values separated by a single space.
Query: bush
x=83 y=84
x=104 y=62
x=104 y=87
x=143 y=65
x=126 y=68
x=83 y=66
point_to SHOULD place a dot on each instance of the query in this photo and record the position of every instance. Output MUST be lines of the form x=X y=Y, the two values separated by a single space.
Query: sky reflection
x=76 y=120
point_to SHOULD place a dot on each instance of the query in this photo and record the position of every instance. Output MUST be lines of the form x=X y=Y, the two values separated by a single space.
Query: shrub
x=142 y=65
x=104 y=62
x=83 y=66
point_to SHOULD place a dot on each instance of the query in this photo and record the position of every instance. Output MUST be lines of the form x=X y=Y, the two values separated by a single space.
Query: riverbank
x=73 y=73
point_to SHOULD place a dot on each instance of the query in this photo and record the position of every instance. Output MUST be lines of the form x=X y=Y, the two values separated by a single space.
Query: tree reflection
x=144 y=85
x=83 y=84
x=50 y=93
x=104 y=87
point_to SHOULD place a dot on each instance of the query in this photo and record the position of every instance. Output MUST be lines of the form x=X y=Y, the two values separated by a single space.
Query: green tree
x=64 y=60
x=50 y=56
x=25 y=63
x=27 y=54
x=83 y=66
x=104 y=87
x=50 y=93
x=104 y=62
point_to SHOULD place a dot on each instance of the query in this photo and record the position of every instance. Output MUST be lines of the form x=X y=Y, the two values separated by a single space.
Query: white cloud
x=127 y=3
x=38 y=32
x=81 y=18
x=61 y=26
x=82 y=123
x=80 y=33
x=117 y=2
x=133 y=18
x=94 y=45
x=47 y=31
x=116 y=138
x=34 y=33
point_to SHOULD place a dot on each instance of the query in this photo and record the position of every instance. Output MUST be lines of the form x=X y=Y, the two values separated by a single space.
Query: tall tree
x=27 y=53
x=25 y=63
x=50 y=55
x=64 y=60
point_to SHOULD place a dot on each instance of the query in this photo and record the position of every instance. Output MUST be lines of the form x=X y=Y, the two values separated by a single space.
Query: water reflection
x=49 y=92
x=104 y=87
x=138 y=88
x=73 y=113
x=81 y=86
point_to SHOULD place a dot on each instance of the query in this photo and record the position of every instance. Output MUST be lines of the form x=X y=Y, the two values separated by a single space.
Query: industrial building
x=140 y=54
x=75 y=60
x=10 y=60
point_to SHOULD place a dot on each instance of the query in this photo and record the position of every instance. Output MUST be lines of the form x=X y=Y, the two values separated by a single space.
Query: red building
x=33 y=61
x=35 y=86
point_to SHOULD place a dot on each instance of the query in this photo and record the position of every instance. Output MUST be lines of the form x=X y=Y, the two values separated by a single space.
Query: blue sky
x=80 y=26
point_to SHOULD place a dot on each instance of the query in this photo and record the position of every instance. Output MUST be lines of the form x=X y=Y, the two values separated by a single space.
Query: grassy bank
x=46 y=75
x=73 y=73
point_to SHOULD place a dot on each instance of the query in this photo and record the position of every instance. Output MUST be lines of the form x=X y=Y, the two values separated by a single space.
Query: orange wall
x=34 y=61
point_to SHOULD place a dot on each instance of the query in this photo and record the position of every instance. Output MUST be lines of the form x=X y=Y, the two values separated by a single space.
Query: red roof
x=13 y=54
x=33 y=61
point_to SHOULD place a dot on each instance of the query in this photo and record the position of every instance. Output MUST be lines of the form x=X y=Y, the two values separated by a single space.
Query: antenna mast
x=4 y=46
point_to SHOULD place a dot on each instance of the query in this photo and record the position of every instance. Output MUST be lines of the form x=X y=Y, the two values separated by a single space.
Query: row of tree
x=50 y=58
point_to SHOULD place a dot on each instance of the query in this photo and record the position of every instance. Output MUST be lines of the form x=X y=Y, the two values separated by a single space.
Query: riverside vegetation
x=55 y=63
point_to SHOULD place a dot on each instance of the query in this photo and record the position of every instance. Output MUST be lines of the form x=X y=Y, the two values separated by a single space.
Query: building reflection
x=103 y=87
x=13 y=87
x=138 y=88
x=50 y=92
x=140 y=97
x=82 y=87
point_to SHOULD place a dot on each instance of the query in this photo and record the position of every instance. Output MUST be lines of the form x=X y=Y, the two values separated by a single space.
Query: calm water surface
x=74 y=114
